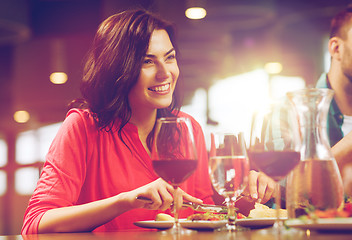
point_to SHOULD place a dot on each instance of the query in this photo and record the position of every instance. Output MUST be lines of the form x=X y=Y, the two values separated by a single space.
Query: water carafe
x=316 y=182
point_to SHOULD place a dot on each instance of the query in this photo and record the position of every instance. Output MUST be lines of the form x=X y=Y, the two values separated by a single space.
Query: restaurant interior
x=240 y=54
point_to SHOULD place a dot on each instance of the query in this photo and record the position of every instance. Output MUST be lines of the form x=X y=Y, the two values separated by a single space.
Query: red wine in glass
x=174 y=172
x=275 y=164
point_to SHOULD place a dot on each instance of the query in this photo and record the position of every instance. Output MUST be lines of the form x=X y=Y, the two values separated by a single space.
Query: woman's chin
x=163 y=104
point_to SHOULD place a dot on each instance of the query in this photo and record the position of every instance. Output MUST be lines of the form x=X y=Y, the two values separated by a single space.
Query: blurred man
x=339 y=78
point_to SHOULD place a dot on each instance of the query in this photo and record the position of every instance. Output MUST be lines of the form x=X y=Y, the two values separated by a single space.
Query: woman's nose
x=162 y=71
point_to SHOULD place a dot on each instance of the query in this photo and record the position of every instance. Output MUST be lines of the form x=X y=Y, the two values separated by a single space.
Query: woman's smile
x=165 y=88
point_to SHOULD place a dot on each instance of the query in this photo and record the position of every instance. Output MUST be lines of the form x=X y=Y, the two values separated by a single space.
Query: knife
x=195 y=206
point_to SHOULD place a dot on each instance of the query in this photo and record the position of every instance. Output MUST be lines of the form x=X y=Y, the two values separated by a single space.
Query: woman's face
x=158 y=76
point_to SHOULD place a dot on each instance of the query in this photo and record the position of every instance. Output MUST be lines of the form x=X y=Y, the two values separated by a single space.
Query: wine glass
x=229 y=170
x=174 y=156
x=275 y=146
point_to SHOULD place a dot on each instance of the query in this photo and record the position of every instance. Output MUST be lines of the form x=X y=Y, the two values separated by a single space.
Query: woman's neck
x=144 y=121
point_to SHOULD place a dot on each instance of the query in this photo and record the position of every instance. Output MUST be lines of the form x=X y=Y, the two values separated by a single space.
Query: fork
x=195 y=206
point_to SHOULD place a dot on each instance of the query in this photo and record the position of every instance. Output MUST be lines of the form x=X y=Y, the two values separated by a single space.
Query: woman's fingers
x=190 y=198
x=166 y=199
x=149 y=200
x=159 y=194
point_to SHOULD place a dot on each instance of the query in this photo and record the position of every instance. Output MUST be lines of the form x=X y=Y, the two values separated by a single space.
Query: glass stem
x=278 y=223
x=231 y=213
x=176 y=206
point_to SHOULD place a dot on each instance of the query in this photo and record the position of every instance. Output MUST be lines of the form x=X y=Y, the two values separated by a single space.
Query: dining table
x=258 y=234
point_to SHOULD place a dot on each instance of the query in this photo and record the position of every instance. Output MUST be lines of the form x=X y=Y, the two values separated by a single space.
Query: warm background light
x=196 y=13
x=273 y=67
x=21 y=116
x=58 y=77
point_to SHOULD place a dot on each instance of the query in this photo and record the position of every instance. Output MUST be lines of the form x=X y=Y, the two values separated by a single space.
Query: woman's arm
x=84 y=217
x=87 y=217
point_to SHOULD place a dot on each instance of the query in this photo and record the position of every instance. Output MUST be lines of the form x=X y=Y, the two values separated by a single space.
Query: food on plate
x=164 y=217
x=263 y=211
x=346 y=211
x=207 y=216
x=260 y=211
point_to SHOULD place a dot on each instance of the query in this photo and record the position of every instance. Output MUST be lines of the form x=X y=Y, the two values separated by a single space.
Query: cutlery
x=195 y=206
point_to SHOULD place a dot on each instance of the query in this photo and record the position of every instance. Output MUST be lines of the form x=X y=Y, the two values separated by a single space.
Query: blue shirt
x=335 y=117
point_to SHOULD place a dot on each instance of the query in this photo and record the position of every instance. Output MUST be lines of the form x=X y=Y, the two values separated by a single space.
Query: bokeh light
x=273 y=67
x=21 y=116
x=196 y=13
x=58 y=77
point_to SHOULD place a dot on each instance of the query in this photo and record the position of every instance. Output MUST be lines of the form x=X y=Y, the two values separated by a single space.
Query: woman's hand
x=161 y=195
x=260 y=187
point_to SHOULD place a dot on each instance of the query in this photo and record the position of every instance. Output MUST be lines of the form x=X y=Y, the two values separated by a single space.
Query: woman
x=99 y=162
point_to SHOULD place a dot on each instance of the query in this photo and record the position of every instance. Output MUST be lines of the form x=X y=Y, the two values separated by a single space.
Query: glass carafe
x=316 y=182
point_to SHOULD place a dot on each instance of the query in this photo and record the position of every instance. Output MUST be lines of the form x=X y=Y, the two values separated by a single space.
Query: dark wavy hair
x=113 y=65
x=341 y=23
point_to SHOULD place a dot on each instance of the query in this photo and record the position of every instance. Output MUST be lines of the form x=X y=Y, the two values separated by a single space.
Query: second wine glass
x=275 y=146
x=229 y=169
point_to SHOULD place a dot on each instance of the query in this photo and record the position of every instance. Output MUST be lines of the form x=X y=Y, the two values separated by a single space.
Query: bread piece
x=164 y=217
x=263 y=211
x=260 y=206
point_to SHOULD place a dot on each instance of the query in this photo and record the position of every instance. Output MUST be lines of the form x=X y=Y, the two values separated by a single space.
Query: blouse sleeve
x=63 y=173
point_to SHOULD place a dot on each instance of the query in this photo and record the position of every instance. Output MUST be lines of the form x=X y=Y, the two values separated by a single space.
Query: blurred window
x=31 y=148
x=327 y=56
x=46 y=136
x=25 y=180
x=233 y=100
x=3 y=182
x=3 y=163
x=26 y=147
x=3 y=153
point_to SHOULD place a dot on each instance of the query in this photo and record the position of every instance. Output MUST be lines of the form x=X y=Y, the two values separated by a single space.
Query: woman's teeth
x=160 y=88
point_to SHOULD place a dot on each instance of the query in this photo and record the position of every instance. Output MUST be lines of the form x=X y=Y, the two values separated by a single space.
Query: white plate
x=194 y=225
x=203 y=225
x=155 y=224
x=322 y=224
x=256 y=222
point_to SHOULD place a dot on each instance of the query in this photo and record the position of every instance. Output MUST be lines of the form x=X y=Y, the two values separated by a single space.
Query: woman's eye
x=147 y=61
x=171 y=57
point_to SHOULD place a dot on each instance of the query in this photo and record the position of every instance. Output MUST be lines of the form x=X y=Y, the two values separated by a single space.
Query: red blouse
x=85 y=165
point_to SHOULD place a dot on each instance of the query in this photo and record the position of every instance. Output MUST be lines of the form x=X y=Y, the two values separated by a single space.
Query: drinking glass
x=174 y=156
x=229 y=169
x=275 y=146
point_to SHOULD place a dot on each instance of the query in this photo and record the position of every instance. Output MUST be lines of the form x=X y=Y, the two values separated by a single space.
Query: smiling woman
x=99 y=162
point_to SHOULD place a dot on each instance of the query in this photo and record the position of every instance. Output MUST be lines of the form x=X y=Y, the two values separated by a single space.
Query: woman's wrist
x=124 y=202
